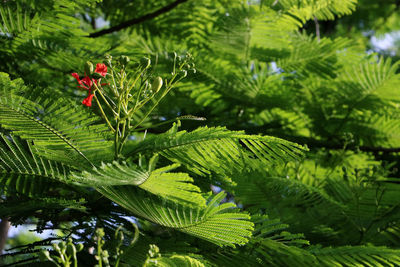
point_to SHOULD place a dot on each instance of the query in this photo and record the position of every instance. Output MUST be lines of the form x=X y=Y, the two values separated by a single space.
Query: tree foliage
x=212 y=133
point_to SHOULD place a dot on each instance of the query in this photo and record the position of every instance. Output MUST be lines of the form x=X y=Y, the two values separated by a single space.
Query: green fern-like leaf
x=176 y=261
x=162 y=182
x=14 y=19
x=219 y=224
x=52 y=126
x=24 y=172
x=321 y=9
x=219 y=150
x=357 y=256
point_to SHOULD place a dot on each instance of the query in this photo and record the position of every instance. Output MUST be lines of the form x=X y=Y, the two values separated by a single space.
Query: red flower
x=101 y=69
x=87 y=83
x=88 y=100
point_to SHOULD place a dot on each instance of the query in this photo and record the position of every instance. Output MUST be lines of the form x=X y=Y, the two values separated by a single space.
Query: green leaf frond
x=253 y=188
x=363 y=99
x=373 y=208
x=303 y=52
x=278 y=254
x=222 y=85
x=220 y=224
x=320 y=9
x=218 y=150
x=13 y=19
x=23 y=172
x=175 y=186
x=51 y=123
x=190 y=22
x=49 y=33
x=273 y=229
x=176 y=261
x=368 y=78
x=271 y=245
x=356 y=256
x=137 y=254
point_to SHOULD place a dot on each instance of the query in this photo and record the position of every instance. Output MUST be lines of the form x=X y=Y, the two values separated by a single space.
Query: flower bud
x=157 y=84
x=107 y=60
x=44 y=255
x=124 y=60
x=121 y=236
x=100 y=232
x=184 y=73
x=62 y=246
x=88 y=68
x=56 y=247
x=79 y=247
x=154 y=251
x=145 y=62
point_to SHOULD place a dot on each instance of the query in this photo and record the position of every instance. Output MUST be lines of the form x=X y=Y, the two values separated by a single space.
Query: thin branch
x=93 y=23
x=4 y=226
x=134 y=21
x=317 y=32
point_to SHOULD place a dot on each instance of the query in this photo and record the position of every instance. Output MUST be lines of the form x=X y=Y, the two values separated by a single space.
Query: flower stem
x=104 y=115
x=105 y=100
x=116 y=141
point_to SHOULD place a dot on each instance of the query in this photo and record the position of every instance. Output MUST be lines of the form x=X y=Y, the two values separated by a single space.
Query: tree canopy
x=200 y=133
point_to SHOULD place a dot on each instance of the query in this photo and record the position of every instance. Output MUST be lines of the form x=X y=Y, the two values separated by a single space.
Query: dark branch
x=134 y=21
x=4 y=226
x=317 y=28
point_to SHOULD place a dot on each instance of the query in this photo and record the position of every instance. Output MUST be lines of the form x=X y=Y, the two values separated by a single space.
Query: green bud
x=124 y=60
x=145 y=62
x=79 y=247
x=44 y=255
x=56 y=247
x=88 y=68
x=154 y=251
x=157 y=84
x=62 y=246
x=148 y=87
x=107 y=60
x=100 y=232
x=184 y=72
x=121 y=236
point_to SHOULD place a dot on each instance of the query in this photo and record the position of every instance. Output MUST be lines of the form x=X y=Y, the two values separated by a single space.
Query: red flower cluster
x=87 y=83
